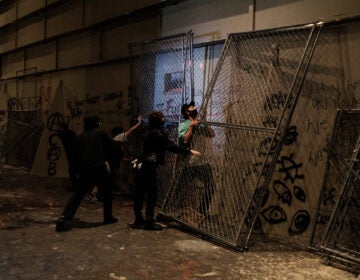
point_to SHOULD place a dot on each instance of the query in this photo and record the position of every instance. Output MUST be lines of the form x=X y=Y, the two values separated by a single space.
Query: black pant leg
x=73 y=204
x=146 y=185
x=101 y=178
x=73 y=176
x=151 y=190
x=139 y=193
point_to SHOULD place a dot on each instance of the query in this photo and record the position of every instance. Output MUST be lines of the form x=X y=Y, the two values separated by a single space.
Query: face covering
x=193 y=113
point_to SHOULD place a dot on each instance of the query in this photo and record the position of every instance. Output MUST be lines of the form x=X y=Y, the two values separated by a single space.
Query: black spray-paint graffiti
x=282 y=191
x=300 y=222
x=74 y=106
x=269 y=146
x=291 y=135
x=317 y=125
x=299 y=193
x=274 y=214
x=260 y=193
x=291 y=172
x=270 y=121
x=316 y=157
x=290 y=168
x=54 y=151
x=276 y=101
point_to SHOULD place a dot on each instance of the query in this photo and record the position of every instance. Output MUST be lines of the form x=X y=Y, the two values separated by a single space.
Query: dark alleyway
x=31 y=249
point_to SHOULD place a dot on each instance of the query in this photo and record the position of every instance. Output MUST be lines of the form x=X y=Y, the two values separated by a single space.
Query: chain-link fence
x=340 y=236
x=161 y=81
x=20 y=135
x=160 y=75
x=249 y=101
x=19 y=143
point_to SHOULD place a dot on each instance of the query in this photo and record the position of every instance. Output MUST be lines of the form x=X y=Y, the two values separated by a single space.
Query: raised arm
x=128 y=132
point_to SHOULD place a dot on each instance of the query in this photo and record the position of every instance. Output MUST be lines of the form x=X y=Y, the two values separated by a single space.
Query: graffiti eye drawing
x=299 y=193
x=300 y=222
x=274 y=215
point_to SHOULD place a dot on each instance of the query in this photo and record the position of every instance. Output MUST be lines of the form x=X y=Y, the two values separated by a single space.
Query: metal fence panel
x=249 y=103
x=19 y=143
x=249 y=100
x=160 y=75
x=161 y=81
x=340 y=238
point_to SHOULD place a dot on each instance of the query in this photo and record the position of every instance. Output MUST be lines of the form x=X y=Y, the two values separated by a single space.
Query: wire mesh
x=248 y=100
x=20 y=143
x=340 y=239
x=161 y=81
x=160 y=75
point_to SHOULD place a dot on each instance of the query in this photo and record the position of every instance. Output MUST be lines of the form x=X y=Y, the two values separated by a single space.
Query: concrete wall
x=74 y=94
x=75 y=53
x=213 y=20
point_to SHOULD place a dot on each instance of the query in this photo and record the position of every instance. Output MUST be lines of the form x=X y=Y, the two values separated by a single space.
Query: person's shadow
x=83 y=224
x=76 y=223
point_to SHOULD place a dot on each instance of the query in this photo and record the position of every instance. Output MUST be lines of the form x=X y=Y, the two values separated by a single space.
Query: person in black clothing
x=68 y=139
x=155 y=144
x=119 y=135
x=93 y=149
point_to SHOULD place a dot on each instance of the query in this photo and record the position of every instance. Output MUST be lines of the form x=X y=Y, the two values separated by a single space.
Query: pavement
x=30 y=248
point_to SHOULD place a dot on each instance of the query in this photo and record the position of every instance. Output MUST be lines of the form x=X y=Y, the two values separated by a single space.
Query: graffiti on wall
x=54 y=150
x=110 y=103
x=323 y=98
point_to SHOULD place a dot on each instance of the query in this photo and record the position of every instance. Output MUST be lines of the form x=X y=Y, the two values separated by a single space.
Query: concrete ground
x=31 y=249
